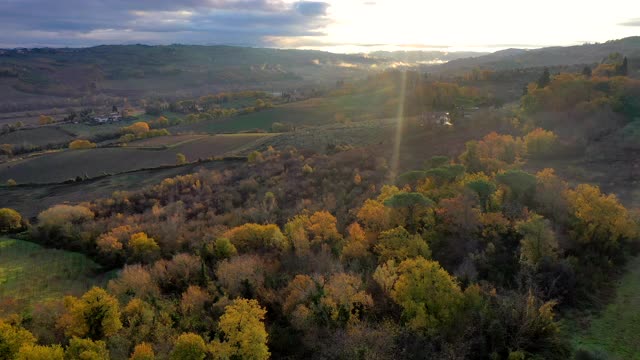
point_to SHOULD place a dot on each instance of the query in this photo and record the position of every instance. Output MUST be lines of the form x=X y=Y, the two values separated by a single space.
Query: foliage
x=80 y=349
x=255 y=237
x=39 y=352
x=189 y=346
x=10 y=220
x=12 y=338
x=245 y=336
x=428 y=295
x=95 y=315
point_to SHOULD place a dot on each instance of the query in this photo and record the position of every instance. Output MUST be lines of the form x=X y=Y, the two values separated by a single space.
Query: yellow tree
x=189 y=346
x=95 y=315
x=602 y=222
x=39 y=352
x=245 y=336
x=12 y=338
x=10 y=220
x=143 y=248
x=428 y=295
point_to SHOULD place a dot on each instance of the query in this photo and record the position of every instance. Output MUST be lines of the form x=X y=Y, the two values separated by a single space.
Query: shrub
x=81 y=144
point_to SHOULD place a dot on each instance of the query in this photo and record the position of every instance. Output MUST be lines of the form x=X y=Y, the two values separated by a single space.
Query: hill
x=549 y=56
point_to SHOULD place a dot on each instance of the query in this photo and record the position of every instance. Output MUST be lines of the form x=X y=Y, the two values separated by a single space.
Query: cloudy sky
x=335 y=25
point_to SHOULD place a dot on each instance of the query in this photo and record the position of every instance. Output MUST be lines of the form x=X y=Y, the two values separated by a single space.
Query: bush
x=81 y=144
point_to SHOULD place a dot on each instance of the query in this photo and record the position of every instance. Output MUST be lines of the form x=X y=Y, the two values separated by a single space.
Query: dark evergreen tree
x=586 y=71
x=544 y=79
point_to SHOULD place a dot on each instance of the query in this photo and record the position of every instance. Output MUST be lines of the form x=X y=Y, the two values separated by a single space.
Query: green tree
x=545 y=79
x=538 y=240
x=10 y=220
x=245 y=336
x=484 y=189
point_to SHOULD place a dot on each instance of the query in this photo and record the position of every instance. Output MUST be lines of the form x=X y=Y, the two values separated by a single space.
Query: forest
x=478 y=249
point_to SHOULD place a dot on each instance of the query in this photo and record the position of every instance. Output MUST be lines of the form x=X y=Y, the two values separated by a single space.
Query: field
x=30 y=274
x=31 y=200
x=39 y=136
x=61 y=166
x=615 y=330
x=316 y=111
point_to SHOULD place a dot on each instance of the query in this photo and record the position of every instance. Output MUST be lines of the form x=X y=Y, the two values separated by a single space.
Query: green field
x=63 y=165
x=616 y=331
x=30 y=274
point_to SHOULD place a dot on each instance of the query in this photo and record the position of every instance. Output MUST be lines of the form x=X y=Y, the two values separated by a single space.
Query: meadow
x=30 y=274
x=615 y=330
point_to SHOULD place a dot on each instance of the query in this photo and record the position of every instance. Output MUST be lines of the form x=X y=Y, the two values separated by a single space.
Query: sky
x=333 y=25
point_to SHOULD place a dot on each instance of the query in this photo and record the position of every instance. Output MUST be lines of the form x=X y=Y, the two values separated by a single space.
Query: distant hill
x=549 y=56
x=424 y=57
x=139 y=71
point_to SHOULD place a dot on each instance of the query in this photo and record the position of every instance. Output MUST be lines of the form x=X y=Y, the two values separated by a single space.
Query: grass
x=616 y=331
x=30 y=273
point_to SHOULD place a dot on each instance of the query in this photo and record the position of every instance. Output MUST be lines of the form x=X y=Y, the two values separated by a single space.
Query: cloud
x=312 y=8
x=92 y=22
x=631 y=22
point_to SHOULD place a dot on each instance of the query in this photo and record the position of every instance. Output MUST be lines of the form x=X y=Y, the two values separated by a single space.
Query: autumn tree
x=356 y=248
x=550 y=195
x=243 y=332
x=601 y=222
x=256 y=237
x=10 y=220
x=428 y=295
x=538 y=240
x=143 y=351
x=189 y=346
x=143 y=248
x=81 y=145
x=39 y=352
x=540 y=142
x=12 y=338
x=374 y=215
x=139 y=128
x=45 y=120
x=81 y=349
x=181 y=159
x=134 y=281
x=413 y=202
x=398 y=244
x=95 y=315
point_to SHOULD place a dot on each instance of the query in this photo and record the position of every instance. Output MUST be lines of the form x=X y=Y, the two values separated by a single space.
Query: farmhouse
x=435 y=118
